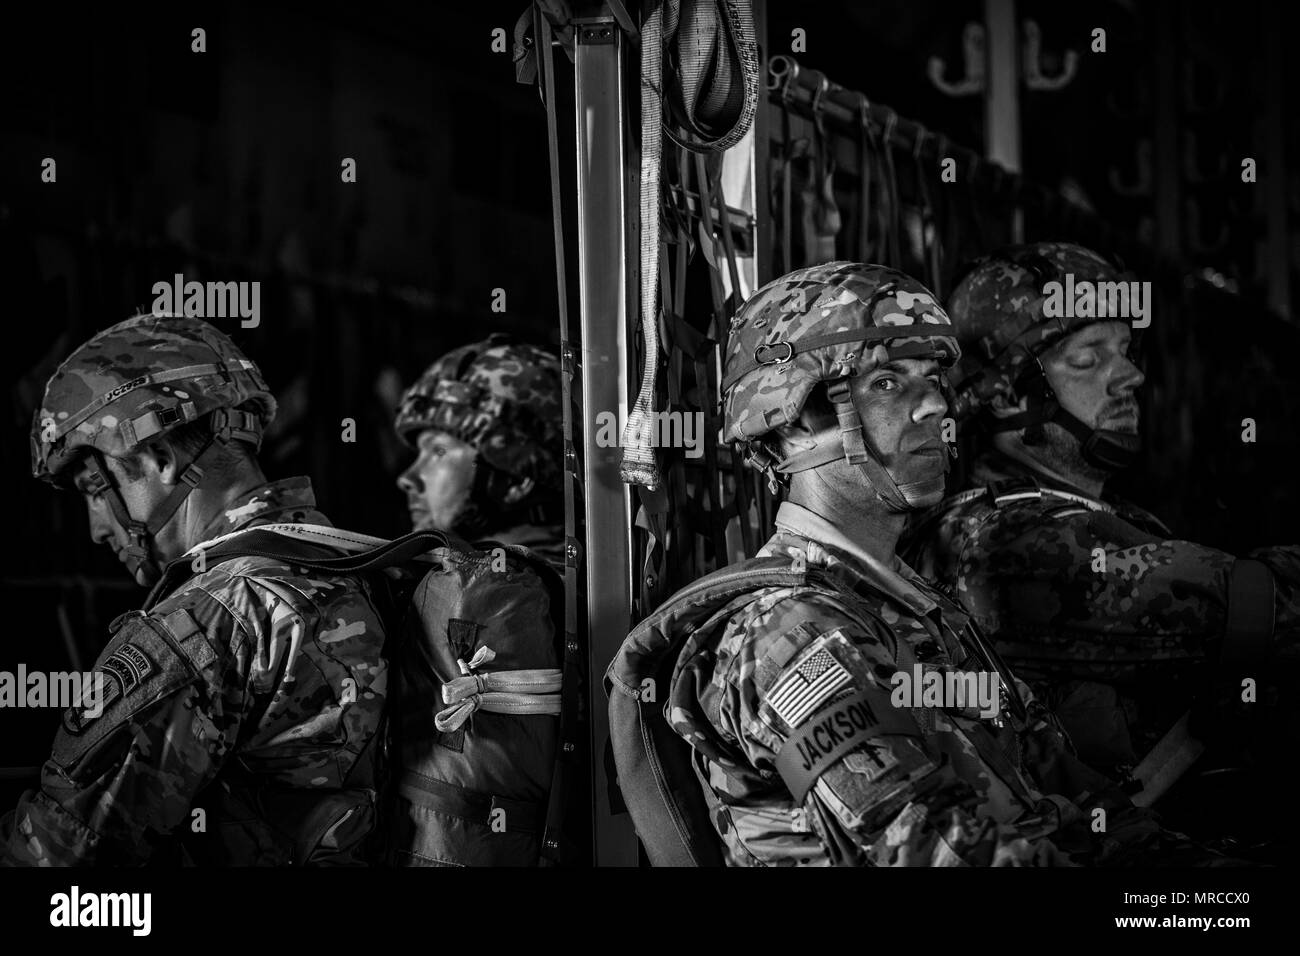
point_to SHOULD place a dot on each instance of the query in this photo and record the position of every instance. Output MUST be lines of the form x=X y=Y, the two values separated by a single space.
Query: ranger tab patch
x=801 y=691
x=128 y=666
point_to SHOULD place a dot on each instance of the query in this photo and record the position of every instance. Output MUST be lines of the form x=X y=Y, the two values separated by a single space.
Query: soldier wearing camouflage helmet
x=485 y=422
x=835 y=377
x=1089 y=597
x=254 y=691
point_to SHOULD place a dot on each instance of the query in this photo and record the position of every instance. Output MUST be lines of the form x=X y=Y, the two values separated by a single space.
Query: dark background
x=225 y=166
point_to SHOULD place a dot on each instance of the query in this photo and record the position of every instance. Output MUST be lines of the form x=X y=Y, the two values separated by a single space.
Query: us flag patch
x=817 y=679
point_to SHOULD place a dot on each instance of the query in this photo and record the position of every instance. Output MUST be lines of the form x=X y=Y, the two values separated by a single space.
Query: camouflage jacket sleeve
x=119 y=781
x=881 y=795
x=1090 y=587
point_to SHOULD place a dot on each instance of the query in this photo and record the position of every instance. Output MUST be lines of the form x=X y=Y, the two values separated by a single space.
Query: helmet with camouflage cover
x=997 y=310
x=137 y=381
x=826 y=323
x=500 y=396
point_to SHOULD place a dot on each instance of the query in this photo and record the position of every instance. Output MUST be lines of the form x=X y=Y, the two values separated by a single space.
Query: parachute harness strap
x=527 y=691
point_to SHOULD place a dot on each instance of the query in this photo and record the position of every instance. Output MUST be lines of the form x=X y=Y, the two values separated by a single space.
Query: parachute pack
x=483 y=690
x=655 y=766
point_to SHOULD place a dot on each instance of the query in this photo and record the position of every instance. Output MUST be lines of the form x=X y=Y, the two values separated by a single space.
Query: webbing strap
x=855 y=448
x=498 y=702
x=574 y=664
x=779 y=353
x=443 y=797
x=534 y=680
x=639 y=465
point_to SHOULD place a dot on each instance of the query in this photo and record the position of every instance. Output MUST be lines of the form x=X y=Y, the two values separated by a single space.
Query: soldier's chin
x=1124 y=424
x=923 y=494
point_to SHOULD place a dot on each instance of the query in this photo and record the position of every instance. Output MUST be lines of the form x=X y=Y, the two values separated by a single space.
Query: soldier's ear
x=163 y=456
x=519 y=490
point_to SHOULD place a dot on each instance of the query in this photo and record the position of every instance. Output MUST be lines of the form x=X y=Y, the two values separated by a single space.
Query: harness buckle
x=789 y=353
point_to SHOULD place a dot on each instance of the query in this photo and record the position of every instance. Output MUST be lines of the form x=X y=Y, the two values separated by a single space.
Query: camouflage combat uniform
x=1092 y=602
x=504 y=399
x=242 y=711
x=252 y=694
x=942 y=788
x=789 y=689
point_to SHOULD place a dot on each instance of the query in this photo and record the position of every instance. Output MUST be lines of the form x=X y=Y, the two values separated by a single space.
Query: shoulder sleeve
x=145 y=737
x=1089 y=586
x=807 y=695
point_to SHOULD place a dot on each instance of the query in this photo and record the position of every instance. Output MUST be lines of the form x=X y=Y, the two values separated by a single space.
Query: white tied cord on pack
x=500 y=692
x=707 y=33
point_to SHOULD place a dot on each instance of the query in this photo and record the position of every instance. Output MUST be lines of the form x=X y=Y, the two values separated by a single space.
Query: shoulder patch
x=814 y=679
x=123 y=671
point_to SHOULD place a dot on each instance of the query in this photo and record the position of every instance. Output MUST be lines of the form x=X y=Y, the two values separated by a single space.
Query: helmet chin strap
x=851 y=446
x=136 y=556
x=227 y=425
x=1102 y=448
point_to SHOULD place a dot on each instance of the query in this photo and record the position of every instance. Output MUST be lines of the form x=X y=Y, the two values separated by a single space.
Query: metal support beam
x=1002 y=95
x=604 y=215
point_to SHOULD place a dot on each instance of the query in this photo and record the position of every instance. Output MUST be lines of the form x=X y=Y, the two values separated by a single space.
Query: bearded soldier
x=485 y=422
x=813 y=743
x=1116 y=623
x=241 y=711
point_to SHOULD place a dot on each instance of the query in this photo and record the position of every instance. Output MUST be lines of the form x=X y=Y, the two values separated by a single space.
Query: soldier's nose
x=409 y=482
x=101 y=529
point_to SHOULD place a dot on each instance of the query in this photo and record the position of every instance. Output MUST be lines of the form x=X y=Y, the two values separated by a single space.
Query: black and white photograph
x=649 y=435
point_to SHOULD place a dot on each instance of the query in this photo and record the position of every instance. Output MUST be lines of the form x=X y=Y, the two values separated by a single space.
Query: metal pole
x=603 y=308
x=1002 y=96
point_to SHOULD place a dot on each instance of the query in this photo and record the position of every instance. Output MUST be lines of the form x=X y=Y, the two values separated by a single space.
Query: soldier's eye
x=885 y=384
x=1082 y=359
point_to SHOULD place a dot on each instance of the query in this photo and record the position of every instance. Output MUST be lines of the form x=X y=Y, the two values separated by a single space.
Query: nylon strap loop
x=867 y=337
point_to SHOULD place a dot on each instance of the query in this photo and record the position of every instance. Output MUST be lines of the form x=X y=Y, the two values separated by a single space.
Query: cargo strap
x=517 y=816
x=570 y=773
x=639 y=465
x=527 y=691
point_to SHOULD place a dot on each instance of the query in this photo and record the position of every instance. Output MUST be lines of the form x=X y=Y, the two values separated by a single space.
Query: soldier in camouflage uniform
x=241 y=714
x=834 y=377
x=485 y=421
x=1089 y=597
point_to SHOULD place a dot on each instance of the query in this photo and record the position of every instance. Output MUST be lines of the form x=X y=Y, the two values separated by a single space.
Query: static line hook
x=823 y=86
x=921 y=134
x=890 y=123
